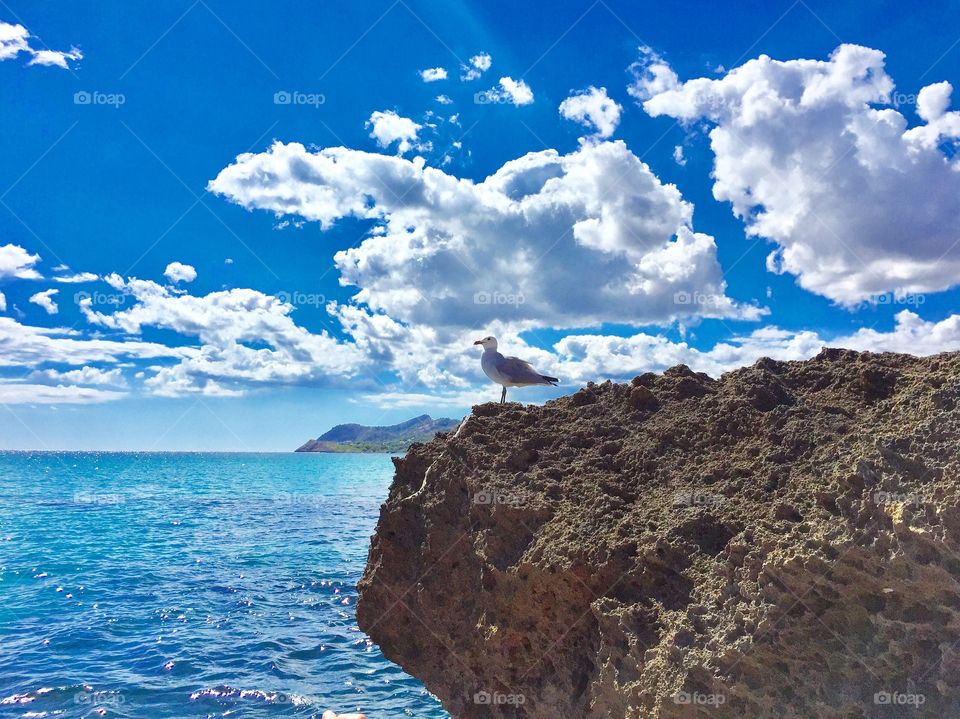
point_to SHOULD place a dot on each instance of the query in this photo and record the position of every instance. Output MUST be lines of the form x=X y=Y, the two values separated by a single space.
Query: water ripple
x=184 y=585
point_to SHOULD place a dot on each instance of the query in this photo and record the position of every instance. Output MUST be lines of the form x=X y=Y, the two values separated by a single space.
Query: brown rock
x=781 y=542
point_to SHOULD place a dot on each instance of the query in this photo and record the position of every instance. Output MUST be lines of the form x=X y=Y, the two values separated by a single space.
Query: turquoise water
x=191 y=585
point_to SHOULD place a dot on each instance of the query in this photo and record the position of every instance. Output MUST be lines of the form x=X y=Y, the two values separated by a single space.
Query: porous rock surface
x=781 y=542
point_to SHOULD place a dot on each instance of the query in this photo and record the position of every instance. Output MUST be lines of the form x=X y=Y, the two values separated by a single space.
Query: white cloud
x=518 y=91
x=477 y=65
x=593 y=108
x=77 y=278
x=508 y=91
x=56 y=58
x=17 y=262
x=85 y=375
x=594 y=357
x=15 y=39
x=652 y=75
x=858 y=202
x=28 y=393
x=28 y=346
x=433 y=74
x=444 y=100
x=678 y=155
x=453 y=253
x=247 y=338
x=179 y=272
x=3 y=302
x=389 y=127
x=45 y=300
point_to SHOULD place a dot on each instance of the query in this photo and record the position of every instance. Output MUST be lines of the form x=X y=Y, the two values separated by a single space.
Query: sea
x=191 y=585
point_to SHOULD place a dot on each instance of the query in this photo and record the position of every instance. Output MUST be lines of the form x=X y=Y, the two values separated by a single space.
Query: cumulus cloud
x=3 y=302
x=17 y=262
x=811 y=156
x=477 y=65
x=594 y=109
x=179 y=272
x=516 y=92
x=28 y=346
x=56 y=58
x=12 y=392
x=246 y=338
x=45 y=300
x=588 y=357
x=444 y=100
x=77 y=278
x=388 y=127
x=652 y=75
x=433 y=74
x=548 y=240
x=15 y=39
x=85 y=375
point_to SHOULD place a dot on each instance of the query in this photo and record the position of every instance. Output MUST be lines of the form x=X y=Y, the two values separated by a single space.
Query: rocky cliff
x=781 y=542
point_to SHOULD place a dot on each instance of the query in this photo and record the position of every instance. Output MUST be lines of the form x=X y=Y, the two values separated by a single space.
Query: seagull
x=509 y=371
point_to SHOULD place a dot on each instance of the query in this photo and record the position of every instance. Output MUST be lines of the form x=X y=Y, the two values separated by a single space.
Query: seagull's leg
x=503 y=395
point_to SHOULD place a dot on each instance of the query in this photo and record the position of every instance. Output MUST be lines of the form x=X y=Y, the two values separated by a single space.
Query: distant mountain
x=393 y=438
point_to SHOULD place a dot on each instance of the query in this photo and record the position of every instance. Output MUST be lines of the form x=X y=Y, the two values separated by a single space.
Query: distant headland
x=391 y=438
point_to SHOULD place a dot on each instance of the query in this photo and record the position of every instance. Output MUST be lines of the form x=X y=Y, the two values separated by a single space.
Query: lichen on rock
x=781 y=542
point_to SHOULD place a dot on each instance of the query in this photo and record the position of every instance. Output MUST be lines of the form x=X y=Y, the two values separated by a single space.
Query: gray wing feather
x=518 y=370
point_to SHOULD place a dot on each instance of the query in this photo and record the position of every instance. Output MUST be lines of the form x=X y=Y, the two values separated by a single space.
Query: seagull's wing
x=518 y=370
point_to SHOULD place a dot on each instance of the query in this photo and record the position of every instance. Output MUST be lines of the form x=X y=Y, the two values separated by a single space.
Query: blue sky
x=632 y=239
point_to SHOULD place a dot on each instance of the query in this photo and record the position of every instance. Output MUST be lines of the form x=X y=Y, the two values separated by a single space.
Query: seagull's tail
x=549 y=380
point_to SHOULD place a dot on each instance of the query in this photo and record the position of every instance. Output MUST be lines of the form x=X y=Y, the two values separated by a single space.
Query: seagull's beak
x=478 y=342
